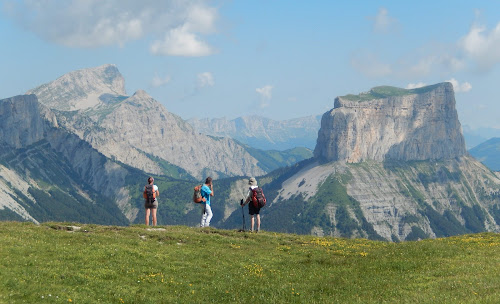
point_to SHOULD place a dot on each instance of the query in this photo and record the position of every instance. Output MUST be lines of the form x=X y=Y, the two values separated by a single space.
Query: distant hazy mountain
x=488 y=153
x=263 y=133
x=474 y=137
x=270 y=160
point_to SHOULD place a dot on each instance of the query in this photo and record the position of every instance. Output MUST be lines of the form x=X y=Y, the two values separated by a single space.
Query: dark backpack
x=258 y=198
x=149 y=194
x=197 y=198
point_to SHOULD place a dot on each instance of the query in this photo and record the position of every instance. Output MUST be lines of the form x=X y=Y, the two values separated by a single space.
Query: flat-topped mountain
x=138 y=130
x=389 y=164
x=392 y=123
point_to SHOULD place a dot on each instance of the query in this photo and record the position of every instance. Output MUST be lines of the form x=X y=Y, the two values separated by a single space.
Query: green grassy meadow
x=177 y=264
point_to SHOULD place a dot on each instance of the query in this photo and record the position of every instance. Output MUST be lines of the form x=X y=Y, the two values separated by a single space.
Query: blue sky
x=278 y=59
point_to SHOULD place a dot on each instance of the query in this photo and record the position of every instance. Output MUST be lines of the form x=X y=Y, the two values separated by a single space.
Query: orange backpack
x=197 y=198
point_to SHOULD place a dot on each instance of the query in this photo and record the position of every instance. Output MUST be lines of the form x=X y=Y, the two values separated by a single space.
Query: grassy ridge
x=388 y=91
x=178 y=264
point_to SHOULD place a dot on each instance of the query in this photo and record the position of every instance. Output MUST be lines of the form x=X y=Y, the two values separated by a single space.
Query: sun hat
x=252 y=181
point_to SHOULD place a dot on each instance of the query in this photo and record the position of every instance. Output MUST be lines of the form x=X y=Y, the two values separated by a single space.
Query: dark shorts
x=252 y=210
x=151 y=206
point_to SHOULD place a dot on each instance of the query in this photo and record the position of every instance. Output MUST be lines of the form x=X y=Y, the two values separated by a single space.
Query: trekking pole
x=244 y=228
x=244 y=223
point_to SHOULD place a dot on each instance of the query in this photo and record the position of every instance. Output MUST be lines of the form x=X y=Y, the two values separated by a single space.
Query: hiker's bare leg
x=147 y=217
x=154 y=216
x=258 y=222
x=252 y=221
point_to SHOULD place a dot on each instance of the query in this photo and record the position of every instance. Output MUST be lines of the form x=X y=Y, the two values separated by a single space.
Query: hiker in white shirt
x=151 y=207
x=252 y=210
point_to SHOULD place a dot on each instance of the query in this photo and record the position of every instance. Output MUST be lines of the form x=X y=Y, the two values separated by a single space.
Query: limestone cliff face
x=35 y=148
x=140 y=124
x=137 y=130
x=392 y=123
x=22 y=121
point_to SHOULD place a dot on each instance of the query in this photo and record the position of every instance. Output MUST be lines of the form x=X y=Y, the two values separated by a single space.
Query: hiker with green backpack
x=255 y=200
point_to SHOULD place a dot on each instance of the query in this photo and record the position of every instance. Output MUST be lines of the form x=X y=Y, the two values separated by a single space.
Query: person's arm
x=249 y=197
x=212 y=190
x=157 y=191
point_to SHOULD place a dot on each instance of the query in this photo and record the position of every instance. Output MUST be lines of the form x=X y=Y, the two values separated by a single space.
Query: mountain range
x=138 y=130
x=82 y=140
x=475 y=137
x=488 y=153
x=268 y=134
x=263 y=133
x=388 y=164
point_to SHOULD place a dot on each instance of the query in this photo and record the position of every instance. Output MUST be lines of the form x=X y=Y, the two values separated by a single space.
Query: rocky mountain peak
x=138 y=130
x=392 y=123
x=141 y=94
x=81 y=89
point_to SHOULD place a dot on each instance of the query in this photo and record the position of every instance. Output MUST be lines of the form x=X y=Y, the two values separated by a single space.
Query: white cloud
x=159 y=81
x=180 y=42
x=415 y=85
x=464 y=87
x=205 y=79
x=183 y=40
x=265 y=91
x=265 y=95
x=201 y=19
x=382 y=22
x=482 y=46
x=178 y=26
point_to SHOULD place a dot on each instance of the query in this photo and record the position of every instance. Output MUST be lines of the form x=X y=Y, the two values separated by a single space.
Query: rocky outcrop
x=399 y=200
x=391 y=123
x=23 y=121
x=138 y=130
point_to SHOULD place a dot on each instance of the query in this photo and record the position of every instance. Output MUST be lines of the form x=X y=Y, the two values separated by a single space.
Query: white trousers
x=207 y=215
